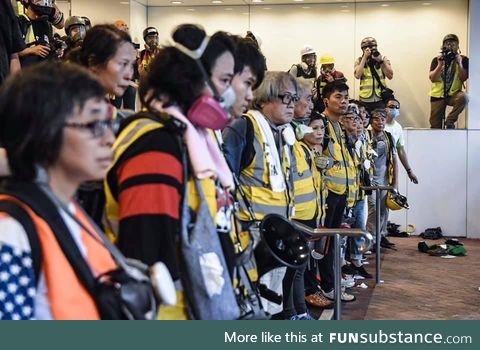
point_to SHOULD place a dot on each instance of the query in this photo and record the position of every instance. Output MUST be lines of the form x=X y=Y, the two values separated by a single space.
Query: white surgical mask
x=394 y=113
x=228 y=98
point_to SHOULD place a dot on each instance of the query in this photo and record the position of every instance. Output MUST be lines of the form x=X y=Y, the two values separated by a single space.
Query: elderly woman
x=53 y=145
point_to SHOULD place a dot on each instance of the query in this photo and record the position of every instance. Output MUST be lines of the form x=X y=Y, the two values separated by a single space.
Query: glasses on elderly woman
x=288 y=98
x=97 y=128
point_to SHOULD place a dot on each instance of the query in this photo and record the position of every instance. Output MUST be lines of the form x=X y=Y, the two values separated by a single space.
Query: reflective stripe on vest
x=255 y=182
x=307 y=184
x=342 y=175
x=438 y=86
x=68 y=298
x=367 y=82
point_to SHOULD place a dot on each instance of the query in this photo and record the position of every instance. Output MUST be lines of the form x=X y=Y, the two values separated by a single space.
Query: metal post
x=337 y=269
x=377 y=236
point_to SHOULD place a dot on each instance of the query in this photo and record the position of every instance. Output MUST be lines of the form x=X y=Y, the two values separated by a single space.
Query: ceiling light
x=257 y=1
x=217 y=2
x=426 y=3
x=124 y=2
x=176 y=2
x=267 y=8
x=384 y=5
x=191 y=10
x=298 y=0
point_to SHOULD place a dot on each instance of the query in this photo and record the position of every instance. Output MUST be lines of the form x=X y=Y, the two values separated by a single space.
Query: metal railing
x=378 y=238
x=318 y=233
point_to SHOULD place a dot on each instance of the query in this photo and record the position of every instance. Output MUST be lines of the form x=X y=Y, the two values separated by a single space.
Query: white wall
x=102 y=11
x=138 y=21
x=212 y=18
x=474 y=81
x=408 y=32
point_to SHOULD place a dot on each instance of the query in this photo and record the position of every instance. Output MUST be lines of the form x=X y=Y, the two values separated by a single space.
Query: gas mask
x=43 y=8
x=209 y=112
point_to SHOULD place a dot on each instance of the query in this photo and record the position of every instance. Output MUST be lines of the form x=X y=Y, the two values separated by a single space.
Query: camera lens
x=375 y=53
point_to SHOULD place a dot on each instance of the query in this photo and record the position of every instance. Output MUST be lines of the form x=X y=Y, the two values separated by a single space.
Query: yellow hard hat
x=327 y=59
x=395 y=201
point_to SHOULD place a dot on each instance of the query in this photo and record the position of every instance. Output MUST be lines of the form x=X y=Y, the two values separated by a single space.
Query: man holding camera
x=372 y=69
x=448 y=72
x=36 y=27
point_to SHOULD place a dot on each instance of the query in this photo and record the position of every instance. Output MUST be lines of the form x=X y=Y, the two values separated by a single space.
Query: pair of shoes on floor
x=303 y=317
x=385 y=243
x=360 y=270
x=346 y=297
x=317 y=299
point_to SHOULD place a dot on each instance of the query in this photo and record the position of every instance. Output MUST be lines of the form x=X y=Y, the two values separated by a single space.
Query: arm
x=234 y=144
x=4 y=168
x=14 y=64
x=436 y=69
x=387 y=68
x=37 y=50
x=293 y=71
x=395 y=172
x=358 y=72
x=402 y=155
x=463 y=70
x=150 y=191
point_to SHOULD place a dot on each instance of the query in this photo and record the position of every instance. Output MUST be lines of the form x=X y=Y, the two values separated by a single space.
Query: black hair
x=334 y=86
x=378 y=111
x=173 y=77
x=392 y=99
x=99 y=46
x=191 y=36
x=34 y=105
x=248 y=55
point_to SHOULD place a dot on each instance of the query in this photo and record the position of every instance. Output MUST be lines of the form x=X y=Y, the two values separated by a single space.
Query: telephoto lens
x=375 y=53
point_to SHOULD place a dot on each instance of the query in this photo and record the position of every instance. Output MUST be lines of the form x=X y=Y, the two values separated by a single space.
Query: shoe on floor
x=348 y=270
x=317 y=299
x=348 y=281
x=385 y=241
x=304 y=317
x=362 y=272
x=345 y=296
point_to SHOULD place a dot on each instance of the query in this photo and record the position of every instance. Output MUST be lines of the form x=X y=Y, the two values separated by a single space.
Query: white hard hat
x=307 y=50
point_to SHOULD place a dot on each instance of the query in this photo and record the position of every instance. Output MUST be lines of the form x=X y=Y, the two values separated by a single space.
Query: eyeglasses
x=97 y=128
x=393 y=107
x=288 y=98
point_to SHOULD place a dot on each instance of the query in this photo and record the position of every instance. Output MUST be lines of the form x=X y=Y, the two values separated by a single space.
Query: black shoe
x=348 y=270
x=385 y=241
x=361 y=271
x=450 y=126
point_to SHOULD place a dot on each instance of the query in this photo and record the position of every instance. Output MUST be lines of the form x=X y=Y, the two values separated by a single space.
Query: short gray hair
x=304 y=86
x=269 y=89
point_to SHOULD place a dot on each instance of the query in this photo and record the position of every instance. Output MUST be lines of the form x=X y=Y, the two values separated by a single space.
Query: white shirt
x=397 y=133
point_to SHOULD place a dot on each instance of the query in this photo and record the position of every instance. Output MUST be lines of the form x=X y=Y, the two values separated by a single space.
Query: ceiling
x=252 y=2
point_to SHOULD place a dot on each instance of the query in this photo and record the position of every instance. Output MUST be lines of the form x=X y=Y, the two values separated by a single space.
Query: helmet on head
x=307 y=50
x=88 y=23
x=368 y=42
x=327 y=59
x=149 y=31
x=74 y=21
x=395 y=201
x=450 y=37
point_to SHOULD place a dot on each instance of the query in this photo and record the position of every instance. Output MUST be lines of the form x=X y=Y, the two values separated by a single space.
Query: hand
x=367 y=53
x=412 y=177
x=379 y=58
x=40 y=50
x=329 y=77
x=458 y=58
x=440 y=60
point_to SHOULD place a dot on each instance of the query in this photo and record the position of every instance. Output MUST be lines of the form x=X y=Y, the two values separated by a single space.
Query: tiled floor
x=420 y=286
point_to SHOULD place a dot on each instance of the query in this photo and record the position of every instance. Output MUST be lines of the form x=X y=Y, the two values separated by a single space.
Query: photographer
x=10 y=41
x=372 y=69
x=37 y=32
x=448 y=72
x=308 y=67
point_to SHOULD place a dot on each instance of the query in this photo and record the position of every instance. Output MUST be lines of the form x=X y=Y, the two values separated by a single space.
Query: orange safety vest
x=68 y=298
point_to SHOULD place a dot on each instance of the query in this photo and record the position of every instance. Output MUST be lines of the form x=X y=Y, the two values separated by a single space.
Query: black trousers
x=335 y=209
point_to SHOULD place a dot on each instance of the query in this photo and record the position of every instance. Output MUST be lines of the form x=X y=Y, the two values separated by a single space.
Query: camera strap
x=375 y=75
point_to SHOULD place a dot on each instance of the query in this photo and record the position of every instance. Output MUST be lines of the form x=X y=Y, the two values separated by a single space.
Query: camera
x=58 y=44
x=448 y=54
x=375 y=53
